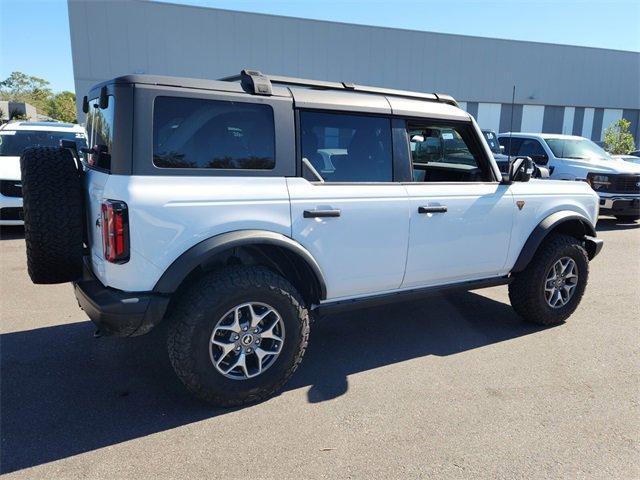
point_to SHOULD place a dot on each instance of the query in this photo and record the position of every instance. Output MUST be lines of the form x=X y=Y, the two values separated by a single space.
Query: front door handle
x=321 y=213
x=434 y=209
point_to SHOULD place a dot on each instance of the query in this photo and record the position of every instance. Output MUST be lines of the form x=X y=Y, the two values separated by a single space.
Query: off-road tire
x=628 y=218
x=53 y=214
x=526 y=291
x=201 y=305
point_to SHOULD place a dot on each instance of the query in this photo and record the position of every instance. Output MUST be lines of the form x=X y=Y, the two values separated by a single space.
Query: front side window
x=492 y=140
x=99 y=127
x=443 y=153
x=347 y=148
x=510 y=144
x=198 y=133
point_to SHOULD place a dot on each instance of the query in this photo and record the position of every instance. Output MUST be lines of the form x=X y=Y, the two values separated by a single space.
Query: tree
x=62 y=106
x=617 y=138
x=20 y=87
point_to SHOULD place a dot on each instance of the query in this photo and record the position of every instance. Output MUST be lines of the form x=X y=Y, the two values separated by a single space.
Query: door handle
x=321 y=213
x=434 y=209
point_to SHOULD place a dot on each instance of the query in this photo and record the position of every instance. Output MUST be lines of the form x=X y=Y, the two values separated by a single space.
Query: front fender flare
x=546 y=226
x=200 y=253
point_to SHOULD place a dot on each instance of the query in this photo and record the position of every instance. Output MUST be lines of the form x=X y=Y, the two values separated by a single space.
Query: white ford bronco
x=234 y=210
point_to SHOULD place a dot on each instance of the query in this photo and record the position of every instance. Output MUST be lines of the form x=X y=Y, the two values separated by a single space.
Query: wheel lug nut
x=237 y=349
x=236 y=336
x=258 y=342
x=249 y=350
x=244 y=329
x=257 y=330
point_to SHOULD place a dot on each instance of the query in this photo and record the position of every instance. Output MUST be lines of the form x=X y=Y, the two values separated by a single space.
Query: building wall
x=140 y=36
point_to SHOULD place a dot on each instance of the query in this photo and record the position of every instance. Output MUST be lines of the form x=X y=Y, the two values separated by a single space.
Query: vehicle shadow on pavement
x=10 y=232
x=62 y=393
x=608 y=224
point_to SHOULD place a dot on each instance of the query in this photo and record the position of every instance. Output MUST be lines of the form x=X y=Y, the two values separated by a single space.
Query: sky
x=34 y=34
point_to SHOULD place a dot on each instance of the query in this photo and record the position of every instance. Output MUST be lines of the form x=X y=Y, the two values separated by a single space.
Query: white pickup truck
x=568 y=157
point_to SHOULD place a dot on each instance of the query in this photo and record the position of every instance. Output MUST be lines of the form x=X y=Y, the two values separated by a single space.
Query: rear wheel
x=237 y=335
x=53 y=214
x=549 y=290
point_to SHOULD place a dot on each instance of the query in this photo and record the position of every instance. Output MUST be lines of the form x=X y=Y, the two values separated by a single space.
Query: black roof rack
x=257 y=83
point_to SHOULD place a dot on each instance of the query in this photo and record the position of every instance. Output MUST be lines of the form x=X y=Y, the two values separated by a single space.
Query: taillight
x=115 y=231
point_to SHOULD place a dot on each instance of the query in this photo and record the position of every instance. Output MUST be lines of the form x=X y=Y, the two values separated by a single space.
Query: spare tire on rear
x=53 y=214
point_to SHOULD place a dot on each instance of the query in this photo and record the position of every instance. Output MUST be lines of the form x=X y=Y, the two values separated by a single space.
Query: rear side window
x=100 y=130
x=347 y=148
x=198 y=133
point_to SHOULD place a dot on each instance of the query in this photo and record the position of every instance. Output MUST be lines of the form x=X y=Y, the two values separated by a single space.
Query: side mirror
x=541 y=172
x=417 y=138
x=521 y=169
x=104 y=98
x=502 y=149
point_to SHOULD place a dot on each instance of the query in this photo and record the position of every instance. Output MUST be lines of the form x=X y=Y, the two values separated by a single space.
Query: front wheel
x=237 y=335
x=549 y=290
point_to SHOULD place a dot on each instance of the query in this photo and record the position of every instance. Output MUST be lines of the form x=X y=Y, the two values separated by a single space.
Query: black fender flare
x=201 y=252
x=546 y=226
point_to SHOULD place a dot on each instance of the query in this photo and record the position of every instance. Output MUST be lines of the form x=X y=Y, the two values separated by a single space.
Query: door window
x=346 y=148
x=510 y=144
x=446 y=153
x=532 y=148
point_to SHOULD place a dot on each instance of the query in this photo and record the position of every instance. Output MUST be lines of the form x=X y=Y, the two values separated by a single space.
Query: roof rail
x=257 y=83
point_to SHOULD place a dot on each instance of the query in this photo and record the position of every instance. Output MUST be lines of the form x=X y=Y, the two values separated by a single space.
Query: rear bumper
x=119 y=313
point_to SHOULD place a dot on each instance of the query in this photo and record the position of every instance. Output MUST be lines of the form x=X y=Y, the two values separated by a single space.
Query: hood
x=9 y=168
x=614 y=165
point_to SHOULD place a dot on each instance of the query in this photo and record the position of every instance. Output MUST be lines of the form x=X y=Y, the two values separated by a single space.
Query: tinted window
x=347 y=148
x=580 y=148
x=492 y=140
x=442 y=153
x=530 y=147
x=13 y=142
x=100 y=130
x=196 y=133
x=513 y=142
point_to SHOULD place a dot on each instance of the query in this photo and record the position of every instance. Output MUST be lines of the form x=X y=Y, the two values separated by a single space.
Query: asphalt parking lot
x=452 y=386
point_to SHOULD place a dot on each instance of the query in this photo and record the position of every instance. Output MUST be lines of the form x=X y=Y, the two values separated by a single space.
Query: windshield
x=492 y=140
x=13 y=142
x=579 y=148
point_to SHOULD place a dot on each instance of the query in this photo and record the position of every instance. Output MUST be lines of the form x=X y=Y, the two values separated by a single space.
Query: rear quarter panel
x=543 y=198
x=168 y=215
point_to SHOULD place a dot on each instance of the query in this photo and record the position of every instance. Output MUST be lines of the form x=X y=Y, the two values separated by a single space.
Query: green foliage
x=62 y=106
x=20 y=87
x=617 y=138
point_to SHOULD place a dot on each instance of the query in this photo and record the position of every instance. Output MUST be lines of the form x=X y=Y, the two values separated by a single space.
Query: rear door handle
x=321 y=213
x=434 y=209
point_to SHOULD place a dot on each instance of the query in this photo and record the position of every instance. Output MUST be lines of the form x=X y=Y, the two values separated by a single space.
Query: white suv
x=576 y=158
x=210 y=205
x=14 y=138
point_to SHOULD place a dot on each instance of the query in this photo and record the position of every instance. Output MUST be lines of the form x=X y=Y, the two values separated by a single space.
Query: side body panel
x=468 y=241
x=168 y=215
x=542 y=198
x=363 y=251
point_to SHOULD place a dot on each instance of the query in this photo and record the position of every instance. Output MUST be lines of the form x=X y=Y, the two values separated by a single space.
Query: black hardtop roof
x=253 y=82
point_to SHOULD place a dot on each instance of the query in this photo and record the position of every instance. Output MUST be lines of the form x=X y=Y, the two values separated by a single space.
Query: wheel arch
x=254 y=247
x=566 y=222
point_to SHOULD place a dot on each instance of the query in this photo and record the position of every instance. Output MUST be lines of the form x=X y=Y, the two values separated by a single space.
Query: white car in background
x=569 y=157
x=14 y=138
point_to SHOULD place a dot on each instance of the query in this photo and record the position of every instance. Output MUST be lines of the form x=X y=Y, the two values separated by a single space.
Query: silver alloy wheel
x=561 y=282
x=246 y=340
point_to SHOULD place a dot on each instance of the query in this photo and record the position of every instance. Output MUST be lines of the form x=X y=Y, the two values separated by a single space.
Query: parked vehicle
x=14 y=138
x=577 y=158
x=205 y=209
x=635 y=153
x=497 y=150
